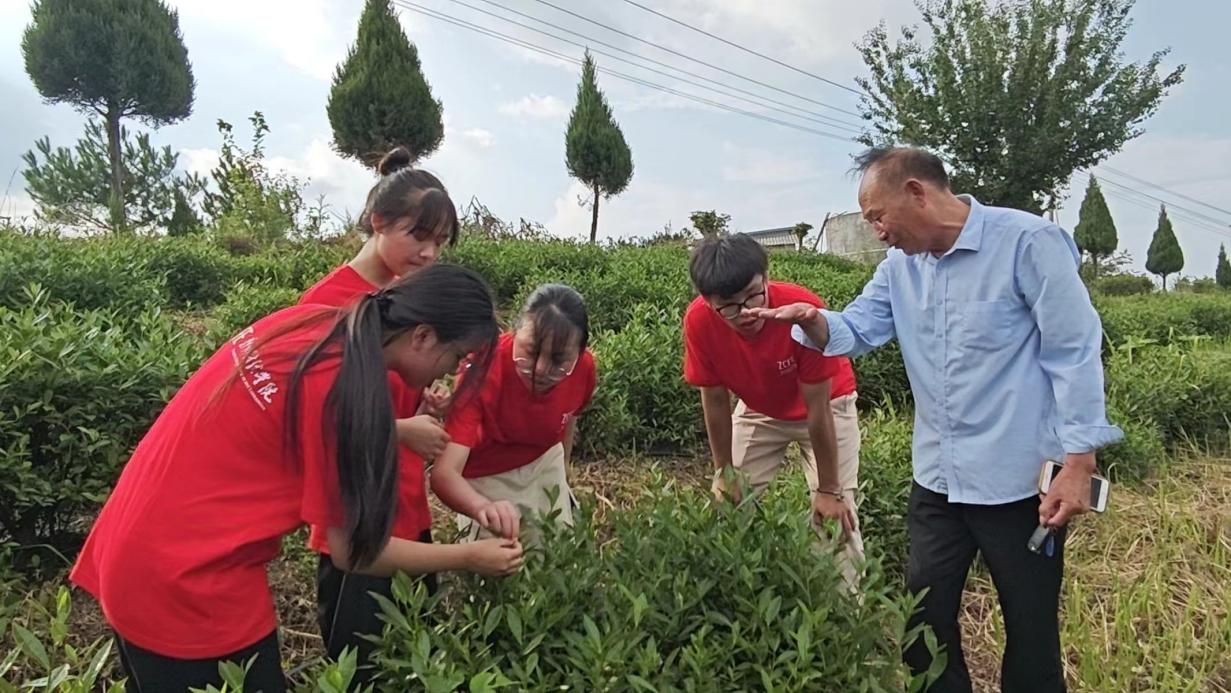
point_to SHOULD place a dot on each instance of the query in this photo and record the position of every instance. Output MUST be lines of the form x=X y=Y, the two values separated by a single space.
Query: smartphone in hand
x=1099 y=485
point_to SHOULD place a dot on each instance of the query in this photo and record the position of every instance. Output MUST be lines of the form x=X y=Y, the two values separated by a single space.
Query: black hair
x=722 y=267
x=559 y=312
x=453 y=301
x=902 y=163
x=405 y=191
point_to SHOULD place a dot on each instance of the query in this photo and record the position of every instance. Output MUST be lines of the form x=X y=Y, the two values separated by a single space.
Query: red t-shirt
x=764 y=370
x=177 y=555
x=340 y=288
x=507 y=426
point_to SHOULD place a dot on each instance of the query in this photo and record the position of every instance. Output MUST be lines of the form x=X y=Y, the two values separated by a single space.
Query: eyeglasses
x=525 y=366
x=731 y=311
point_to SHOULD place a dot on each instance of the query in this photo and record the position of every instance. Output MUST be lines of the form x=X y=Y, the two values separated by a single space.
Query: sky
x=506 y=108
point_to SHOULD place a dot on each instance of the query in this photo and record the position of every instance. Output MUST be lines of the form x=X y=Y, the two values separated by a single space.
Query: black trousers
x=153 y=673
x=346 y=611
x=944 y=538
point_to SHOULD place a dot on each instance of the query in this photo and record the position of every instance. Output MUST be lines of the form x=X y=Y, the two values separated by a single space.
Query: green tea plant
x=79 y=389
x=677 y=595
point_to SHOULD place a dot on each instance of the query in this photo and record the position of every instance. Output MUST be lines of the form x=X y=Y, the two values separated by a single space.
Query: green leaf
x=31 y=646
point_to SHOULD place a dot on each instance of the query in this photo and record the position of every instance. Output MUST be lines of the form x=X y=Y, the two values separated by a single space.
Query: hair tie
x=383 y=299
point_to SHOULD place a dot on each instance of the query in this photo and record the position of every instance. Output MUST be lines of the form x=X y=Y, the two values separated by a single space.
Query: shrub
x=613 y=295
x=881 y=378
x=677 y=595
x=1123 y=285
x=80 y=387
x=245 y=304
x=642 y=402
x=1184 y=391
x=89 y=272
x=506 y=264
x=295 y=267
x=884 y=485
x=1165 y=317
x=195 y=272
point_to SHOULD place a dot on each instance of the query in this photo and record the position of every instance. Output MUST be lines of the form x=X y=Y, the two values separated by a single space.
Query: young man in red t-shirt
x=786 y=393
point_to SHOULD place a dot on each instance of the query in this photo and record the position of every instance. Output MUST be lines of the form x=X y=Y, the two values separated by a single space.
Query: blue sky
x=506 y=109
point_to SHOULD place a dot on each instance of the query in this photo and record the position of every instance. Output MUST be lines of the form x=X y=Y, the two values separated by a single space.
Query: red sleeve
x=591 y=381
x=697 y=369
x=321 y=502
x=464 y=423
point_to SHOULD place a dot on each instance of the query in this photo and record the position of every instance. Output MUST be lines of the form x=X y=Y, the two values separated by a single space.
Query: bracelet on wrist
x=836 y=494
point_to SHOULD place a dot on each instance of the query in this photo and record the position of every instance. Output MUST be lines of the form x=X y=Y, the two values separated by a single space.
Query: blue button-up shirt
x=1002 y=349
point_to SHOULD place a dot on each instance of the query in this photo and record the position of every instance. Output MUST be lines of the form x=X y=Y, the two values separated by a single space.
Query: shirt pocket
x=985 y=326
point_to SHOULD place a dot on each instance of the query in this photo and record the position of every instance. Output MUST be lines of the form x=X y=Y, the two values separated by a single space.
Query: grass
x=1147 y=599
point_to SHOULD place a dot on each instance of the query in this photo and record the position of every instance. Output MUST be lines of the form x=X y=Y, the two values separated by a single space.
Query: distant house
x=848 y=235
x=776 y=238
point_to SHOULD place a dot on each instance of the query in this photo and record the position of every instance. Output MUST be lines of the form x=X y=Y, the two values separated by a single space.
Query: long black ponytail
x=457 y=304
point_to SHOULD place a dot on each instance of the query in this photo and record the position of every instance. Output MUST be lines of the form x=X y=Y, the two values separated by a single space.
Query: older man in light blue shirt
x=1002 y=348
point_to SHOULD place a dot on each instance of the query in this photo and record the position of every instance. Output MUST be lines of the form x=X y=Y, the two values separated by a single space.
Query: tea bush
x=1184 y=391
x=195 y=272
x=642 y=403
x=80 y=387
x=507 y=264
x=677 y=595
x=1123 y=285
x=884 y=485
x=90 y=272
x=245 y=304
x=1164 y=317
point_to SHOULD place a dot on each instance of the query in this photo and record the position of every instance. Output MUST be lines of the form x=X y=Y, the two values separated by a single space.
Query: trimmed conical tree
x=380 y=98
x=1222 y=273
x=1164 y=256
x=594 y=146
x=114 y=58
x=1095 y=233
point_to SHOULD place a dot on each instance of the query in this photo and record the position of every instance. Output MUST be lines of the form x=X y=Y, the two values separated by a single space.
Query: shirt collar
x=971 y=237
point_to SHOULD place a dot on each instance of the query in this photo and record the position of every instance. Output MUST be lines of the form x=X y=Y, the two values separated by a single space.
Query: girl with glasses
x=512 y=440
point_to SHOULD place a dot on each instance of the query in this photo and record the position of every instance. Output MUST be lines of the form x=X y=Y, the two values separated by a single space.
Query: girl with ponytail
x=408 y=219
x=290 y=422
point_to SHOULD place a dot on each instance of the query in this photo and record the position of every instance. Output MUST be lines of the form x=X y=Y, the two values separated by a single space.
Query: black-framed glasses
x=731 y=311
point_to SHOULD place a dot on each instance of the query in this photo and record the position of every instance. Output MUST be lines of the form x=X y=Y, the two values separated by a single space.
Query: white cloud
x=761 y=166
x=534 y=106
x=310 y=35
x=483 y=139
x=16 y=206
x=199 y=160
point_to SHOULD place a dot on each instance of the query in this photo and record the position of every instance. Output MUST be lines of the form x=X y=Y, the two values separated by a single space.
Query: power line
x=813 y=75
x=1196 y=223
x=1170 y=204
x=684 y=56
x=636 y=80
x=763 y=101
x=1169 y=192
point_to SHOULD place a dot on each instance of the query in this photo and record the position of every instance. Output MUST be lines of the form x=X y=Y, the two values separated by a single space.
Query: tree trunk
x=117 y=170
x=1094 y=265
x=594 y=219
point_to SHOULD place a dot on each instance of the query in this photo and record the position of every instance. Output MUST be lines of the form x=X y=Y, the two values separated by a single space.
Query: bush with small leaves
x=676 y=595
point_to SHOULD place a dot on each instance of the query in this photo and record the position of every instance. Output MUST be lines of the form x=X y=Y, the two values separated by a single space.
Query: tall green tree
x=1016 y=96
x=73 y=186
x=380 y=98
x=594 y=146
x=1222 y=273
x=1095 y=233
x=113 y=58
x=1164 y=256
